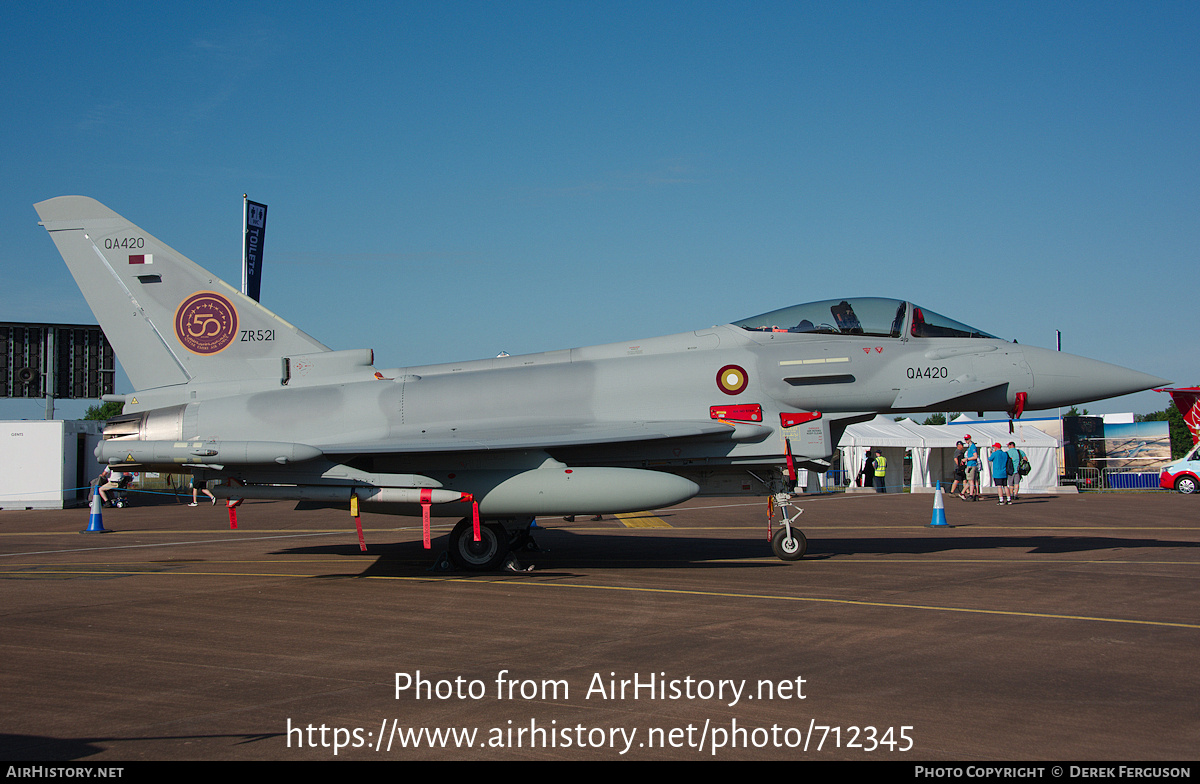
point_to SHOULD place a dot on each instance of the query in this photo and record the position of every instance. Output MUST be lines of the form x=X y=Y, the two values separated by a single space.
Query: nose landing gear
x=788 y=542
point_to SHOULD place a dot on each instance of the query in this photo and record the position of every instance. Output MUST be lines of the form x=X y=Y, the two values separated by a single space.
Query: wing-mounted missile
x=340 y=494
x=198 y=452
x=424 y=497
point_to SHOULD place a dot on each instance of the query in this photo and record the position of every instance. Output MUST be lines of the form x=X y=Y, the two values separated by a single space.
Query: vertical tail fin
x=1187 y=400
x=169 y=320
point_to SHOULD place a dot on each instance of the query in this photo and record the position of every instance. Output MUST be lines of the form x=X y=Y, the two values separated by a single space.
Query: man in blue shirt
x=972 y=464
x=1014 y=480
x=999 y=461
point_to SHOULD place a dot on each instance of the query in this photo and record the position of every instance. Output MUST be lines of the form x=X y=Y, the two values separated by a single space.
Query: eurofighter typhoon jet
x=230 y=391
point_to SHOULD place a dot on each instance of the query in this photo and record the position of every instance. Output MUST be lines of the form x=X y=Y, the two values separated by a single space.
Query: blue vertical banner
x=252 y=248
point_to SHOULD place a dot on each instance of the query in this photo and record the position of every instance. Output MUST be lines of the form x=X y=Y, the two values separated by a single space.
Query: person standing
x=971 y=455
x=1018 y=459
x=867 y=474
x=1000 y=472
x=960 y=469
x=880 y=472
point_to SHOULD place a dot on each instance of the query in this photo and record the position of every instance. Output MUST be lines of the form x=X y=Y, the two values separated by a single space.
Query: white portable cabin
x=47 y=464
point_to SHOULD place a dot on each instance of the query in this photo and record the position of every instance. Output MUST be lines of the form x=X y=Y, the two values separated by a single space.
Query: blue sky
x=449 y=180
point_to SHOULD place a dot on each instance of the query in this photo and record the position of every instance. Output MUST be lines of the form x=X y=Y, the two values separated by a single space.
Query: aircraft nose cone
x=1065 y=379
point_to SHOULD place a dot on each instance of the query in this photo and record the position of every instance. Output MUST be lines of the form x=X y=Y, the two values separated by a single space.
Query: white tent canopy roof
x=882 y=431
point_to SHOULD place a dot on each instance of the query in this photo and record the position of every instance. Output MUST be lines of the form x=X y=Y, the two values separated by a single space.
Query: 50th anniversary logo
x=206 y=323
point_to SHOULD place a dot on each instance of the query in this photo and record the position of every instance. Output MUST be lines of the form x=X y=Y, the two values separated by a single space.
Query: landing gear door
x=807 y=434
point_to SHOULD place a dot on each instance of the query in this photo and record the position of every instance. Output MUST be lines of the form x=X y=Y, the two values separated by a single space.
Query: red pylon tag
x=426 y=502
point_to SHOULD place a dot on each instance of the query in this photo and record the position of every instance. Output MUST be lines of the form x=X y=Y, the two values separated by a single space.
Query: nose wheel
x=788 y=542
x=789 y=545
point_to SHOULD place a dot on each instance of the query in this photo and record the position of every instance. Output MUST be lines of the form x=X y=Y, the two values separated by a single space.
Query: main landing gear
x=788 y=542
x=495 y=547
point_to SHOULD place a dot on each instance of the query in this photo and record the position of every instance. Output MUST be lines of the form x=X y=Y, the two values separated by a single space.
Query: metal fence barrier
x=1114 y=479
x=837 y=479
x=1125 y=479
x=1084 y=478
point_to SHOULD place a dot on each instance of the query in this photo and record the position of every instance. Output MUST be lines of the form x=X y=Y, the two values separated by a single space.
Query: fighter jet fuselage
x=229 y=391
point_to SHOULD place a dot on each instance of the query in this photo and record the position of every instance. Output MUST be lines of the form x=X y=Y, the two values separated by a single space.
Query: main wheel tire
x=483 y=556
x=789 y=549
x=1186 y=485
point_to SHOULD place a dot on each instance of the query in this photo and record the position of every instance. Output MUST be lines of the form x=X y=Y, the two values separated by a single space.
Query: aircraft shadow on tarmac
x=563 y=550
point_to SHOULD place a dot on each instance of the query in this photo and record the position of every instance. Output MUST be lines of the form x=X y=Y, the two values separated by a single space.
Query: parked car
x=1184 y=474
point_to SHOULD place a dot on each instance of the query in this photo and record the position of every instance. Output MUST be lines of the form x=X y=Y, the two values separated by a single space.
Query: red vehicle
x=1184 y=474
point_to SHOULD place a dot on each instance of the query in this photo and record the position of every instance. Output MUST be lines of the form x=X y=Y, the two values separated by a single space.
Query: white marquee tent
x=932 y=448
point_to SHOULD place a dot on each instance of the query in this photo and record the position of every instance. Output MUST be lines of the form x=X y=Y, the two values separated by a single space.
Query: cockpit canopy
x=873 y=316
